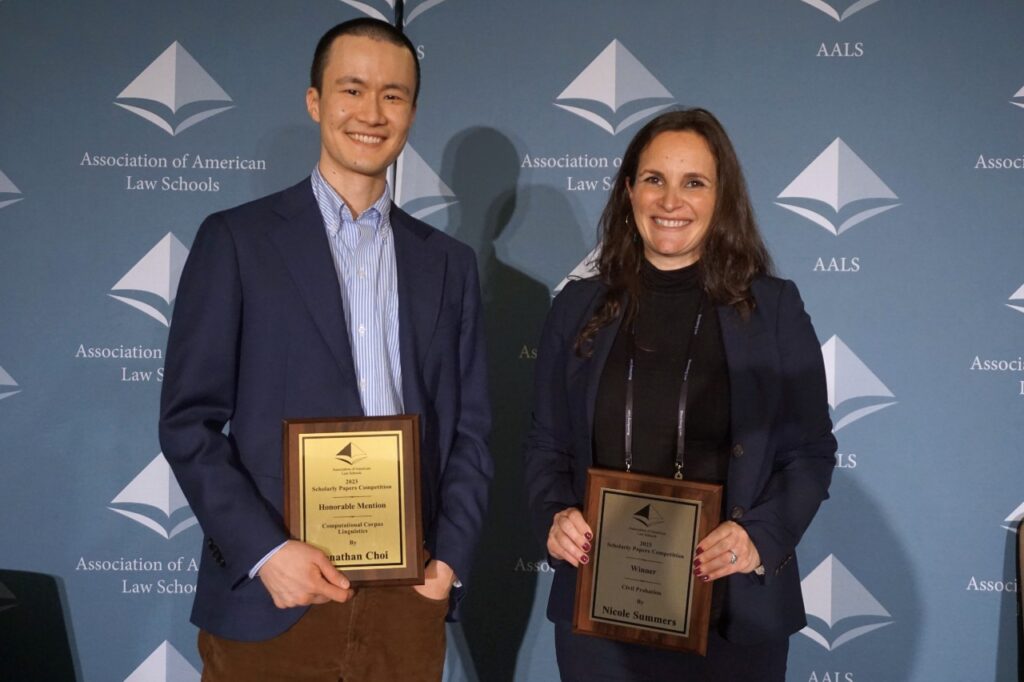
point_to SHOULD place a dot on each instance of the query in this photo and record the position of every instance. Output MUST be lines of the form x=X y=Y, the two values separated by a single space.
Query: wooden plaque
x=352 y=489
x=639 y=586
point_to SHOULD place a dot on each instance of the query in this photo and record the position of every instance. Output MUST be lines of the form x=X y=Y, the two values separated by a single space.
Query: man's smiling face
x=364 y=107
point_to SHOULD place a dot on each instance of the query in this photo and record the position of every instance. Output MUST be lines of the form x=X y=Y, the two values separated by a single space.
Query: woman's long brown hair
x=732 y=253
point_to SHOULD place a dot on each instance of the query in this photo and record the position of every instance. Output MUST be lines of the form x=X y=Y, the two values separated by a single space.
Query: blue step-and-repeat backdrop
x=883 y=142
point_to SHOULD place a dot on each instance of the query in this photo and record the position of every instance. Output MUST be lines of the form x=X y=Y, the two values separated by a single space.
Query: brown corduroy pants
x=381 y=634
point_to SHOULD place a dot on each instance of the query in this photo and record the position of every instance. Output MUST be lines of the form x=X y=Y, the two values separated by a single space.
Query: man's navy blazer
x=258 y=336
x=781 y=460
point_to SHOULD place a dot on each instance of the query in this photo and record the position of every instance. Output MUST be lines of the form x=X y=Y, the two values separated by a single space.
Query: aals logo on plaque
x=1017 y=300
x=839 y=606
x=154 y=499
x=165 y=664
x=834 y=12
x=418 y=189
x=614 y=91
x=9 y=193
x=838 y=180
x=648 y=516
x=7 y=598
x=1012 y=522
x=174 y=92
x=8 y=386
x=351 y=454
x=412 y=9
x=851 y=385
x=153 y=281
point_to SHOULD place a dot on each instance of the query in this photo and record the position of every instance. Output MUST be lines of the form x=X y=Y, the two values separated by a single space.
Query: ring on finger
x=732 y=557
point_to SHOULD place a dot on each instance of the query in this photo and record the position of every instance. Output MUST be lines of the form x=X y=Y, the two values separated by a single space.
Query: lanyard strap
x=681 y=418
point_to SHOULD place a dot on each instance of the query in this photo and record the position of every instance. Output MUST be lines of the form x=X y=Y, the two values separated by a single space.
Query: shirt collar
x=334 y=210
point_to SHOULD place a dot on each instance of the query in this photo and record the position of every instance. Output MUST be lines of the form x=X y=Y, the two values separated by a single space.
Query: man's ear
x=313 y=103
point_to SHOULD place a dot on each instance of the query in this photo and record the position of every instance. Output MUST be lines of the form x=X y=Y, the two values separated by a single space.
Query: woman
x=684 y=281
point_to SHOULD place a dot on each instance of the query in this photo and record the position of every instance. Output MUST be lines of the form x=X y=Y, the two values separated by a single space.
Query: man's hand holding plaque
x=299 y=575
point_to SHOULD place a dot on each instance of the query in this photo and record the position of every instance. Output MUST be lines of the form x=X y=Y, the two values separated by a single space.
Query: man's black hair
x=368 y=28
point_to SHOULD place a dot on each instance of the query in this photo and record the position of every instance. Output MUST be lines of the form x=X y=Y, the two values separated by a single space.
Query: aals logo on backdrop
x=8 y=600
x=154 y=279
x=154 y=490
x=165 y=664
x=614 y=91
x=837 y=178
x=851 y=385
x=585 y=268
x=174 y=92
x=418 y=189
x=839 y=608
x=8 y=386
x=412 y=9
x=1018 y=99
x=1012 y=522
x=831 y=10
x=1017 y=300
x=9 y=194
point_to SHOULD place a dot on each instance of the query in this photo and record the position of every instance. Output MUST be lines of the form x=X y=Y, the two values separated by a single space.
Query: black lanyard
x=681 y=418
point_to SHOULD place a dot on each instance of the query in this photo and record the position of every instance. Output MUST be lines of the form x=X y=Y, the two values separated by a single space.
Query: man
x=327 y=300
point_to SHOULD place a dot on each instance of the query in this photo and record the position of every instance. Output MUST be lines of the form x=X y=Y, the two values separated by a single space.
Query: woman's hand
x=570 y=537
x=726 y=550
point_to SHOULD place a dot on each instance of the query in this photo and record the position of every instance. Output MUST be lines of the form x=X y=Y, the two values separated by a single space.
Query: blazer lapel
x=302 y=241
x=603 y=341
x=421 y=276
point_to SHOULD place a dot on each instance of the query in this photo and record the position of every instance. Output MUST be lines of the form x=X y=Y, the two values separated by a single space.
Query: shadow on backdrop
x=33 y=629
x=483 y=167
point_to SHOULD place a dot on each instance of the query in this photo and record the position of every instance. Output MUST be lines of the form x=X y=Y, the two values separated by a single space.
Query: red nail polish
x=696 y=562
x=705 y=578
x=589 y=536
x=584 y=559
x=699 y=550
x=586 y=546
x=696 y=571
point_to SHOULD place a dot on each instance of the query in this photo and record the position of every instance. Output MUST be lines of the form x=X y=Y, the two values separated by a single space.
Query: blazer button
x=736 y=513
x=737 y=450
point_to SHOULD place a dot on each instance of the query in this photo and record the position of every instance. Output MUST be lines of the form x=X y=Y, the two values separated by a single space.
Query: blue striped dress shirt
x=363 y=250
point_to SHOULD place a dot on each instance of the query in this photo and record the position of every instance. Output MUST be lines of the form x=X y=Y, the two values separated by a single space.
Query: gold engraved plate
x=644 y=573
x=351 y=497
x=352 y=490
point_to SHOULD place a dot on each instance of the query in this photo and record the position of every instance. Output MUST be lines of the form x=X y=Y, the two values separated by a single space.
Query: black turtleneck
x=664 y=332
x=669 y=301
